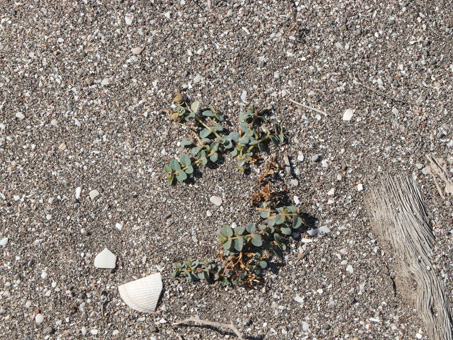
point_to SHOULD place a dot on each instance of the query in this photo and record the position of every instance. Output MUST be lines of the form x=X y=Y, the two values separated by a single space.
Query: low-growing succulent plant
x=210 y=140
x=244 y=251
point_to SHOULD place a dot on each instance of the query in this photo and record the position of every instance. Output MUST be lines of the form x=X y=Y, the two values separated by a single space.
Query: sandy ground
x=79 y=109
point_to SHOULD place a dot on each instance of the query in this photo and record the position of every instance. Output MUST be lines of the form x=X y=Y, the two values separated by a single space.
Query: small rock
x=326 y=326
x=347 y=115
x=105 y=82
x=244 y=96
x=39 y=318
x=128 y=18
x=419 y=166
x=4 y=241
x=208 y=213
x=246 y=322
x=119 y=226
x=197 y=79
x=300 y=157
x=115 y=332
x=83 y=330
x=294 y=182
x=62 y=147
x=331 y=192
x=349 y=269
x=276 y=75
x=105 y=259
x=93 y=194
x=137 y=50
x=54 y=122
x=47 y=331
x=305 y=326
x=216 y=200
x=296 y=200
x=94 y=331
x=316 y=158
x=261 y=62
x=299 y=299
x=359 y=187
x=20 y=115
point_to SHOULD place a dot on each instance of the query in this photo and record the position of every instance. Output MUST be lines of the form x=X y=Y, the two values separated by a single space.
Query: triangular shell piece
x=142 y=294
x=105 y=259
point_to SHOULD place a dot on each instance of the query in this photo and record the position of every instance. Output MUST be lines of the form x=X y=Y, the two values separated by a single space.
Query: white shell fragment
x=137 y=50
x=143 y=294
x=216 y=200
x=4 y=241
x=105 y=259
x=78 y=190
x=347 y=115
x=20 y=115
x=94 y=194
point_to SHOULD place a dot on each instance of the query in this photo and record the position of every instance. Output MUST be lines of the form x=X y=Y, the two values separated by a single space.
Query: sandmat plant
x=244 y=252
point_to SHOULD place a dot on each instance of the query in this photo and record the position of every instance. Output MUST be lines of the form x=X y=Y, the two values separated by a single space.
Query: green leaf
x=286 y=231
x=271 y=221
x=222 y=238
x=234 y=153
x=201 y=275
x=181 y=176
x=244 y=140
x=227 y=230
x=239 y=230
x=279 y=219
x=167 y=169
x=234 y=136
x=218 y=127
x=185 y=159
x=174 y=165
x=205 y=133
x=195 y=105
x=204 y=160
x=186 y=142
x=207 y=113
x=251 y=228
x=239 y=244
x=292 y=208
x=265 y=214
x=256 y=240
x=263 y=264
x=244 y=126
x=227 y=244
x=277 y=237
x=196 y=150
x=274 y=140
x=214 y=157
x=170 y=180
x=189 y=170
x=297 y=222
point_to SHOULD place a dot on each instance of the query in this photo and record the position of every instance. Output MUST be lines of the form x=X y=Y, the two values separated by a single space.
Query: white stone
x=349 y=269
x=54 y=122
x=331 y=192
x=2 y=126
x=20 y=115
x=197 y=79
x=299 y=299
x=244 y=96
x=305 y=326
x=119 y=226
x=347 y=115
x=216 y=200
x=105 y=82
x=39 y=318
x=94 y=331
x=4 y=241
x=84 y=330
x=296 y=200
x=137 y=50
x=43 y=274
x=300 y=157
x=208 y=213
x=93 y=194
x=115 y=332
x=128 y=18
x=105 y=259
x=78 y=190
x=359 y=187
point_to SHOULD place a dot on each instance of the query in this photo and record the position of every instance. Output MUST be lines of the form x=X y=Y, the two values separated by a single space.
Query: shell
x=142 y=294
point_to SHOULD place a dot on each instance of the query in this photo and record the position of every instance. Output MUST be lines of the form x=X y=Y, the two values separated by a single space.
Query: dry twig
x=231 y=326
x=308 y=107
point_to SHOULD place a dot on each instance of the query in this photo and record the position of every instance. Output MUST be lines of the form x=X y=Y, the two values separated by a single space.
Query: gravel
x=69 y=76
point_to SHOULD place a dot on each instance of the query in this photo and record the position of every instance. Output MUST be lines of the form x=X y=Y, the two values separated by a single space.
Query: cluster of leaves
x=246 y=251
x=210 y=140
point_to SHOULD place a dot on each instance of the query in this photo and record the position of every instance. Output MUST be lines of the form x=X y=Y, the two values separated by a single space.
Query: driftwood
x=438 y=167
x=400 y=221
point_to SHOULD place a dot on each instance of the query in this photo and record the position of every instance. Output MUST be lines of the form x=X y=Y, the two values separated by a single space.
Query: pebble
x=118 y=226
x=296 y=200
x=331 y=192
x=93 y=194
x=359 y=187
x=84 y=330
x=39 y=318
x=305 y=326
x=4 y=241
x=347 y=115
x=20 y=115
x=326 y=326
x=419 y=166
x=294 y=182
x=299 y=299
x=300 y=157
x=137 y=50
x=94 y=331
x=105 y=82
x=316 y=158
x=246 y=322
x=115 y=332
x=197 y=79
x=105 y=259
x=209 y=213
x=349 y=269
x=54 y=122
x=216 y=200
x=128 y=18
x=47 y=331
x=244 y=96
